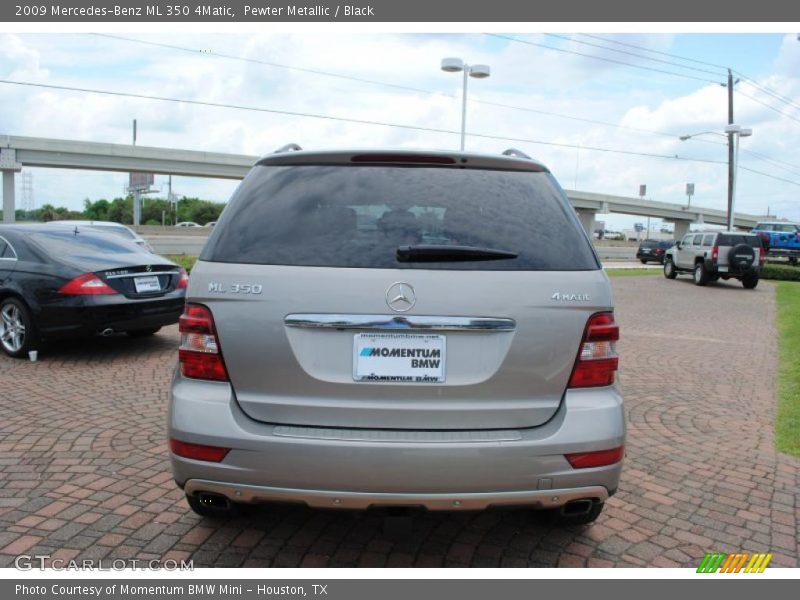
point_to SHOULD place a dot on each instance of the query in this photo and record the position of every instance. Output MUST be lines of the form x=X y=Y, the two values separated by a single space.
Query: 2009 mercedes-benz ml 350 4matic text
x=398 y=328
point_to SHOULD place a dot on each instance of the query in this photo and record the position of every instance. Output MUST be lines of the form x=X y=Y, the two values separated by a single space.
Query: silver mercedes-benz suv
x=398 y=328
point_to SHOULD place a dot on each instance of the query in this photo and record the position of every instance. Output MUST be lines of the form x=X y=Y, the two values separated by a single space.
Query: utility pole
x=730 y=147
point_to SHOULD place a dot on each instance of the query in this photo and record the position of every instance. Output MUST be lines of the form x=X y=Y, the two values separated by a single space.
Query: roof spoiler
x=288 y=148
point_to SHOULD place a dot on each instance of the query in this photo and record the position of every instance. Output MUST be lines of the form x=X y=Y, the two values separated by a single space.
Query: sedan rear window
x=60 y=243
x=399 y=217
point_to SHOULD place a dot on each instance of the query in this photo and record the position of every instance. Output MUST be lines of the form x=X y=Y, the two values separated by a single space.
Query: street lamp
x=731 y=131
x=454 y=65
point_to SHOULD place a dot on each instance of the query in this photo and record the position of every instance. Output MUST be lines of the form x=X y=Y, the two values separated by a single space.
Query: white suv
x=710 y=256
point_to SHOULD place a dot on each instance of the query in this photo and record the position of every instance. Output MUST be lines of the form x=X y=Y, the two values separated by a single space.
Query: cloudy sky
x=587 y=119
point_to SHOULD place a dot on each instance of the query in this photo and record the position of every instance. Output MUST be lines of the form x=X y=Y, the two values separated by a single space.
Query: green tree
x=96 y=211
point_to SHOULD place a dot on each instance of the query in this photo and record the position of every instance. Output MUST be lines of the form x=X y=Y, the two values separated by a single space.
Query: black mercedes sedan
x=64 y=281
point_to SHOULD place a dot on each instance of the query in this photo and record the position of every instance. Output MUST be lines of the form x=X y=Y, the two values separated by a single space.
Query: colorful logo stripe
x=734 y=563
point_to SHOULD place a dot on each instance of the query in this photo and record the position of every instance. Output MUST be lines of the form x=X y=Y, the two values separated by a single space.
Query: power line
x=593 y=56
x=769 y=106
x=770 y=176
x=679 y=57
x=768 y=91
x=775 y=162
x=348 y=120
x=387 y=84
x=634 y=54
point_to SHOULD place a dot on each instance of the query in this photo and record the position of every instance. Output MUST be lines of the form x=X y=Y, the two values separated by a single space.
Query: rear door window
x=358 y=216
x=698 y=240
x=733 y=239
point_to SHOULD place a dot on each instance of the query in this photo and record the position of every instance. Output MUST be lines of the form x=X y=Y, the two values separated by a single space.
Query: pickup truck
x=780 y=238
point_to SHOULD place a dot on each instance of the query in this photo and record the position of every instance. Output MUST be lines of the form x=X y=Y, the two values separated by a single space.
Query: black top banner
x=376 y=11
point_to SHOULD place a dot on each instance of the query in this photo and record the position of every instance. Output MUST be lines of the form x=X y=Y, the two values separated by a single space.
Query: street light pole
x=464 y=109
x=739 y=132
x=731 y=173
x=731 y=131
x=455 y=65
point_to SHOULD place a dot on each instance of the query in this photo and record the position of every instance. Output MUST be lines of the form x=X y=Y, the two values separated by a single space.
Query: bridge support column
x=681 y=229
x=587 y=220
x=9 y=166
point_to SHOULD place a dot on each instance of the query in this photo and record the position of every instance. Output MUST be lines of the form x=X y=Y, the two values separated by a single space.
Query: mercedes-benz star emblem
x=400 y=297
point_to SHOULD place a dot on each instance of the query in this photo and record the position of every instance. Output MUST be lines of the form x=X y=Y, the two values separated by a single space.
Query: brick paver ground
x=84 y=471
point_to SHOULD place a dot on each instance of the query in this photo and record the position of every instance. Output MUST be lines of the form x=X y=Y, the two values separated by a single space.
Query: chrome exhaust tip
x=107 y=332
x=577 y=507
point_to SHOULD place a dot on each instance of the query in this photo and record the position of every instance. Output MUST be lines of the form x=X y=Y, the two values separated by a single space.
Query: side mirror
x=678 y=245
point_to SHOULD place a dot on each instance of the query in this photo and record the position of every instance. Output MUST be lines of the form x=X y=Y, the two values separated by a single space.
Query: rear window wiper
x=445 y=253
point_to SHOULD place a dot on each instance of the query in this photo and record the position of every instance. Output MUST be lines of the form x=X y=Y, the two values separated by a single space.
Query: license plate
x=399 y=357
x=147 y=284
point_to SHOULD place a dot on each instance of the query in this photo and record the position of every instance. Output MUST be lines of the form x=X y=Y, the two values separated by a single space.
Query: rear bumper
x=784 y=252
x=359 y=468
x=251 y=494
x=89 y=315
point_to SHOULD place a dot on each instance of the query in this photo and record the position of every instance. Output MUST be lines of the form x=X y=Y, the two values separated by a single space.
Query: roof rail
x=517 y=153
x=288 y=148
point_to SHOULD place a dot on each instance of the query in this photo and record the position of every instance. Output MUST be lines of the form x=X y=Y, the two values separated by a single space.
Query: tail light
x=600 y=458
x=597 y=360
x=714 y=253
x=199 y=353
x=659 y=251
x=87 y=284
x=198 y=451
x=183 y=280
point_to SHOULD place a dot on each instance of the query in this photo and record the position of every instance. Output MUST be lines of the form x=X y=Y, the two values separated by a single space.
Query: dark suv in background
x=654 y=250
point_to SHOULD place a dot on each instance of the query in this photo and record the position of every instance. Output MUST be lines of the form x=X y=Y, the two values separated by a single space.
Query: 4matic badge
x=559 y=297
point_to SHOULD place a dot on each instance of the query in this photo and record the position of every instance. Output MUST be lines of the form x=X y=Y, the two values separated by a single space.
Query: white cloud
x=522 y=76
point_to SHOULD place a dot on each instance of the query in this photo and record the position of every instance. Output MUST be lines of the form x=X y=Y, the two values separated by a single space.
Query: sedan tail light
x=199 y=353
x=183 y=280
x=597 y=360
x=87 y=284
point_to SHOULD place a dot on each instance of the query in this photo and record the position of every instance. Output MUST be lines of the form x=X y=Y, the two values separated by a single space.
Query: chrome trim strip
x=399 y=322
x=143 y=274
x=397 y=436
x=362 y=500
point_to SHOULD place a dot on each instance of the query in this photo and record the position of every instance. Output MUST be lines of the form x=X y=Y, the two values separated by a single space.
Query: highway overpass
x=17 y=152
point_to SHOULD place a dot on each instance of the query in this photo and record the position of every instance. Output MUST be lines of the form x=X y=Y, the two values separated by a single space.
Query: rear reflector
x=198 y=451
x=87 y=284
x=601 y=458
x=597 y=361
x=199 y=353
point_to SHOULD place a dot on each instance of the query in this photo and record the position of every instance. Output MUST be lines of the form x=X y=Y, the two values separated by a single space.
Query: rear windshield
x=60 y=243
x=732 y=239
x=649 y=244
x=358 y=216
x=121 y=231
